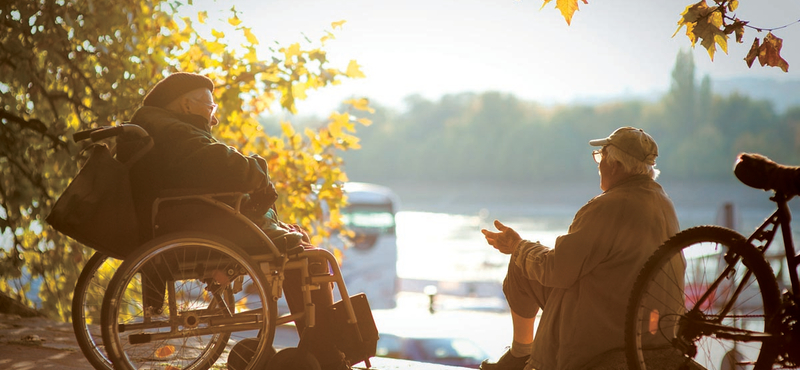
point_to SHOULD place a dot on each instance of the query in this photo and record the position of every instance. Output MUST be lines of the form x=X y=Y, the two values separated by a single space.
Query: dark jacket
x=186 y=156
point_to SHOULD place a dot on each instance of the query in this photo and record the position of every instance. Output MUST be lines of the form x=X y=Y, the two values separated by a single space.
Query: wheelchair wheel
x=183 y=299
x=703 y=293
x=87 y=301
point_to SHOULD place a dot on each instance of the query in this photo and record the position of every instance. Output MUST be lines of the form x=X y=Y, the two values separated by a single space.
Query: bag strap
x=140 y=153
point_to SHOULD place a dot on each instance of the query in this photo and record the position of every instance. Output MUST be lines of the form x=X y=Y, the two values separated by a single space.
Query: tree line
x=497 y=137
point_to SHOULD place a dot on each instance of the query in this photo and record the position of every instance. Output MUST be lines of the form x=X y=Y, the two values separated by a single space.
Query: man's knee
x=524 y=296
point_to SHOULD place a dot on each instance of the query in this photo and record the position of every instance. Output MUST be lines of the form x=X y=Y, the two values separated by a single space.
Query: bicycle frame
x=761 y=238
x=781 y=217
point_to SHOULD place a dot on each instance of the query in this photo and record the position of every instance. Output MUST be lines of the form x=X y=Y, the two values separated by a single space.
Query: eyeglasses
x=213 y=106
x=597 y=155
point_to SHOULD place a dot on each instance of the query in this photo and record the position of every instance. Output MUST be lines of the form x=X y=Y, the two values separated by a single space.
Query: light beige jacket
x=592 y=270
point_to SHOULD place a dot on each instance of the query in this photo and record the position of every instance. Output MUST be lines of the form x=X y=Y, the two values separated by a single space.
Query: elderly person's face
x=610 y=171
x=201 y=103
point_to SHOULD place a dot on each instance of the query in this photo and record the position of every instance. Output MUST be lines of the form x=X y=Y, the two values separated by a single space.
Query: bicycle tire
x=87 y=301
x=673 y=339
x=125 y=316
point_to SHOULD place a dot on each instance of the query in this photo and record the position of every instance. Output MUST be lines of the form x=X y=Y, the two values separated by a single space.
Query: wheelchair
x=203 y=290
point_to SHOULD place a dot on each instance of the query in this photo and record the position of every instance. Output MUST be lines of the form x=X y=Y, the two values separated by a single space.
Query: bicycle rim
x=685 y=311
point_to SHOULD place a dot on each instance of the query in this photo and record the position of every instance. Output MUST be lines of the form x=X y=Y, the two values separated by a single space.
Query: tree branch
x=34 y=125
x=36 y=181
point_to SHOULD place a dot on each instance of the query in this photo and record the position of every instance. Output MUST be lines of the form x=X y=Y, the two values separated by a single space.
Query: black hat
x=175 y=85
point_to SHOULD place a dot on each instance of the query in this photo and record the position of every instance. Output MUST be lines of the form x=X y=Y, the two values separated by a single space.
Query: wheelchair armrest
x=200 y=194
x=212 y=212
x=196 y=192
x=293 y=252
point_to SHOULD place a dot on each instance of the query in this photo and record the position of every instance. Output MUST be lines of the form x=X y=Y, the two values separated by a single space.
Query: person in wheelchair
x=178 y=113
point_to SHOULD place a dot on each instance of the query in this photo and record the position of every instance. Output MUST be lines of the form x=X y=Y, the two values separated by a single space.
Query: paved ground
x=39 y=343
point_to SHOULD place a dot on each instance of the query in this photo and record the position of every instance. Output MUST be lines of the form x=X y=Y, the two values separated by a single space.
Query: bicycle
x=708 y=298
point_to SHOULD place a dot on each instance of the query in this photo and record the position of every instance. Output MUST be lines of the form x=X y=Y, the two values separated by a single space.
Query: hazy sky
x=435 y=47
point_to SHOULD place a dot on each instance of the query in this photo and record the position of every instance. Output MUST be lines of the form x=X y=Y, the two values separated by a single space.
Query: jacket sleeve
x=206 y=163
x=575 y=254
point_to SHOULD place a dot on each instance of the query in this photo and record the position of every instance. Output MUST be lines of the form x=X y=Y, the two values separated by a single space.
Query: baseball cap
x=632 y=141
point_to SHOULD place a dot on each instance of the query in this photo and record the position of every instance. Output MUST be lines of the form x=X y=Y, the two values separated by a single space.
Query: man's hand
x=504 y=241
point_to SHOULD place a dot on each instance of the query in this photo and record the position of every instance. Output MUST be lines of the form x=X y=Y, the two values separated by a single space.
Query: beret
x=173 y=86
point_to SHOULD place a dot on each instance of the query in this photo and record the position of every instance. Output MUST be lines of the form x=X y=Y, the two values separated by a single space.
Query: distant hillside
x=783 y=94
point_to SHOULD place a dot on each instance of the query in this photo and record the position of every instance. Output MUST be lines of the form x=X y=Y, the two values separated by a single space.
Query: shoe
x=333 y=360
x=506 y=362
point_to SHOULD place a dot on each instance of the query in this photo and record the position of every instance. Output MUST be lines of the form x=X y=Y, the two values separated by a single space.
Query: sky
x=435 y=47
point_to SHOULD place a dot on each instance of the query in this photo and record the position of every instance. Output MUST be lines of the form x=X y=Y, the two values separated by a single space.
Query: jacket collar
x=194 y=120
x=633 y=179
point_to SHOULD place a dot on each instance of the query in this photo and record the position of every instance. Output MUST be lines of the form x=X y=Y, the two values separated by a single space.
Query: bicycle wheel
x=87 y=301
x=704 y=298
x=181 y=300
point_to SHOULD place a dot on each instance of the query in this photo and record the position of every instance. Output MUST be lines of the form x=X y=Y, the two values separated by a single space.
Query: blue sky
x=436 y=47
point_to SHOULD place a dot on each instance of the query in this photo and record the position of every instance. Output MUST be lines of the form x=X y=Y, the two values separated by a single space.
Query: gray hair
x=631 y=164
x=175 y=105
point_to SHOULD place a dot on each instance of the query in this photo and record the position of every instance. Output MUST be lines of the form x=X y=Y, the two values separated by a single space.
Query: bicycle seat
x=760 y=172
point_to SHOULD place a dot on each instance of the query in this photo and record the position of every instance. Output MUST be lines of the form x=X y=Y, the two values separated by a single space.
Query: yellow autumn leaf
x=567 y=8
x=299 y=90
x=361 y=104
x=234 y=21
x=202 y=16
x=690 y=16
x=353 y=142
x=287 y=128
x=292 y=51
x=165 y=351
x=241 y=304
x=709 y=30
x=338 y=24
x=248 y=34
x=365 y=121
x=706 y=24
x=328 y=36
x=354 y=70
x=215 y=47
x=217 y=34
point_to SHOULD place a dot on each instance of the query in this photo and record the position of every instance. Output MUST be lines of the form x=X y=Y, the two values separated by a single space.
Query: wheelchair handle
x=83 y=135
x=100 y=133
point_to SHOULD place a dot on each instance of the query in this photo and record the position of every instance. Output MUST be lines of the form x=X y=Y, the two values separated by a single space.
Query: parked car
x=445 y=351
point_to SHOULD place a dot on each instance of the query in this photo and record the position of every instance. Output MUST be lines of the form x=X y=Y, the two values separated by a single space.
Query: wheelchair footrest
x=358 y=342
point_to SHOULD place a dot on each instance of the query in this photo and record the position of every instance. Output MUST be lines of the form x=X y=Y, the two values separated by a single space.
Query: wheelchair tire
x=87 y=301
x=686 y=308
x=181 y=300
x=242 y=353
x=293 y=358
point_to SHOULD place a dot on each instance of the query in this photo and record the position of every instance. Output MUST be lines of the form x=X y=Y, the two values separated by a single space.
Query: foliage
x=66 y=66
x=712 y=26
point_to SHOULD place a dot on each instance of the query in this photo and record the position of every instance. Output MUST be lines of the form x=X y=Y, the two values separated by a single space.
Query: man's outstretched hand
x=504 y=241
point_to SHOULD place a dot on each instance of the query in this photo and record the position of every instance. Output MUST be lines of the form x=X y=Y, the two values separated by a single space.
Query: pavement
x=28 y=343
x=38 y=343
